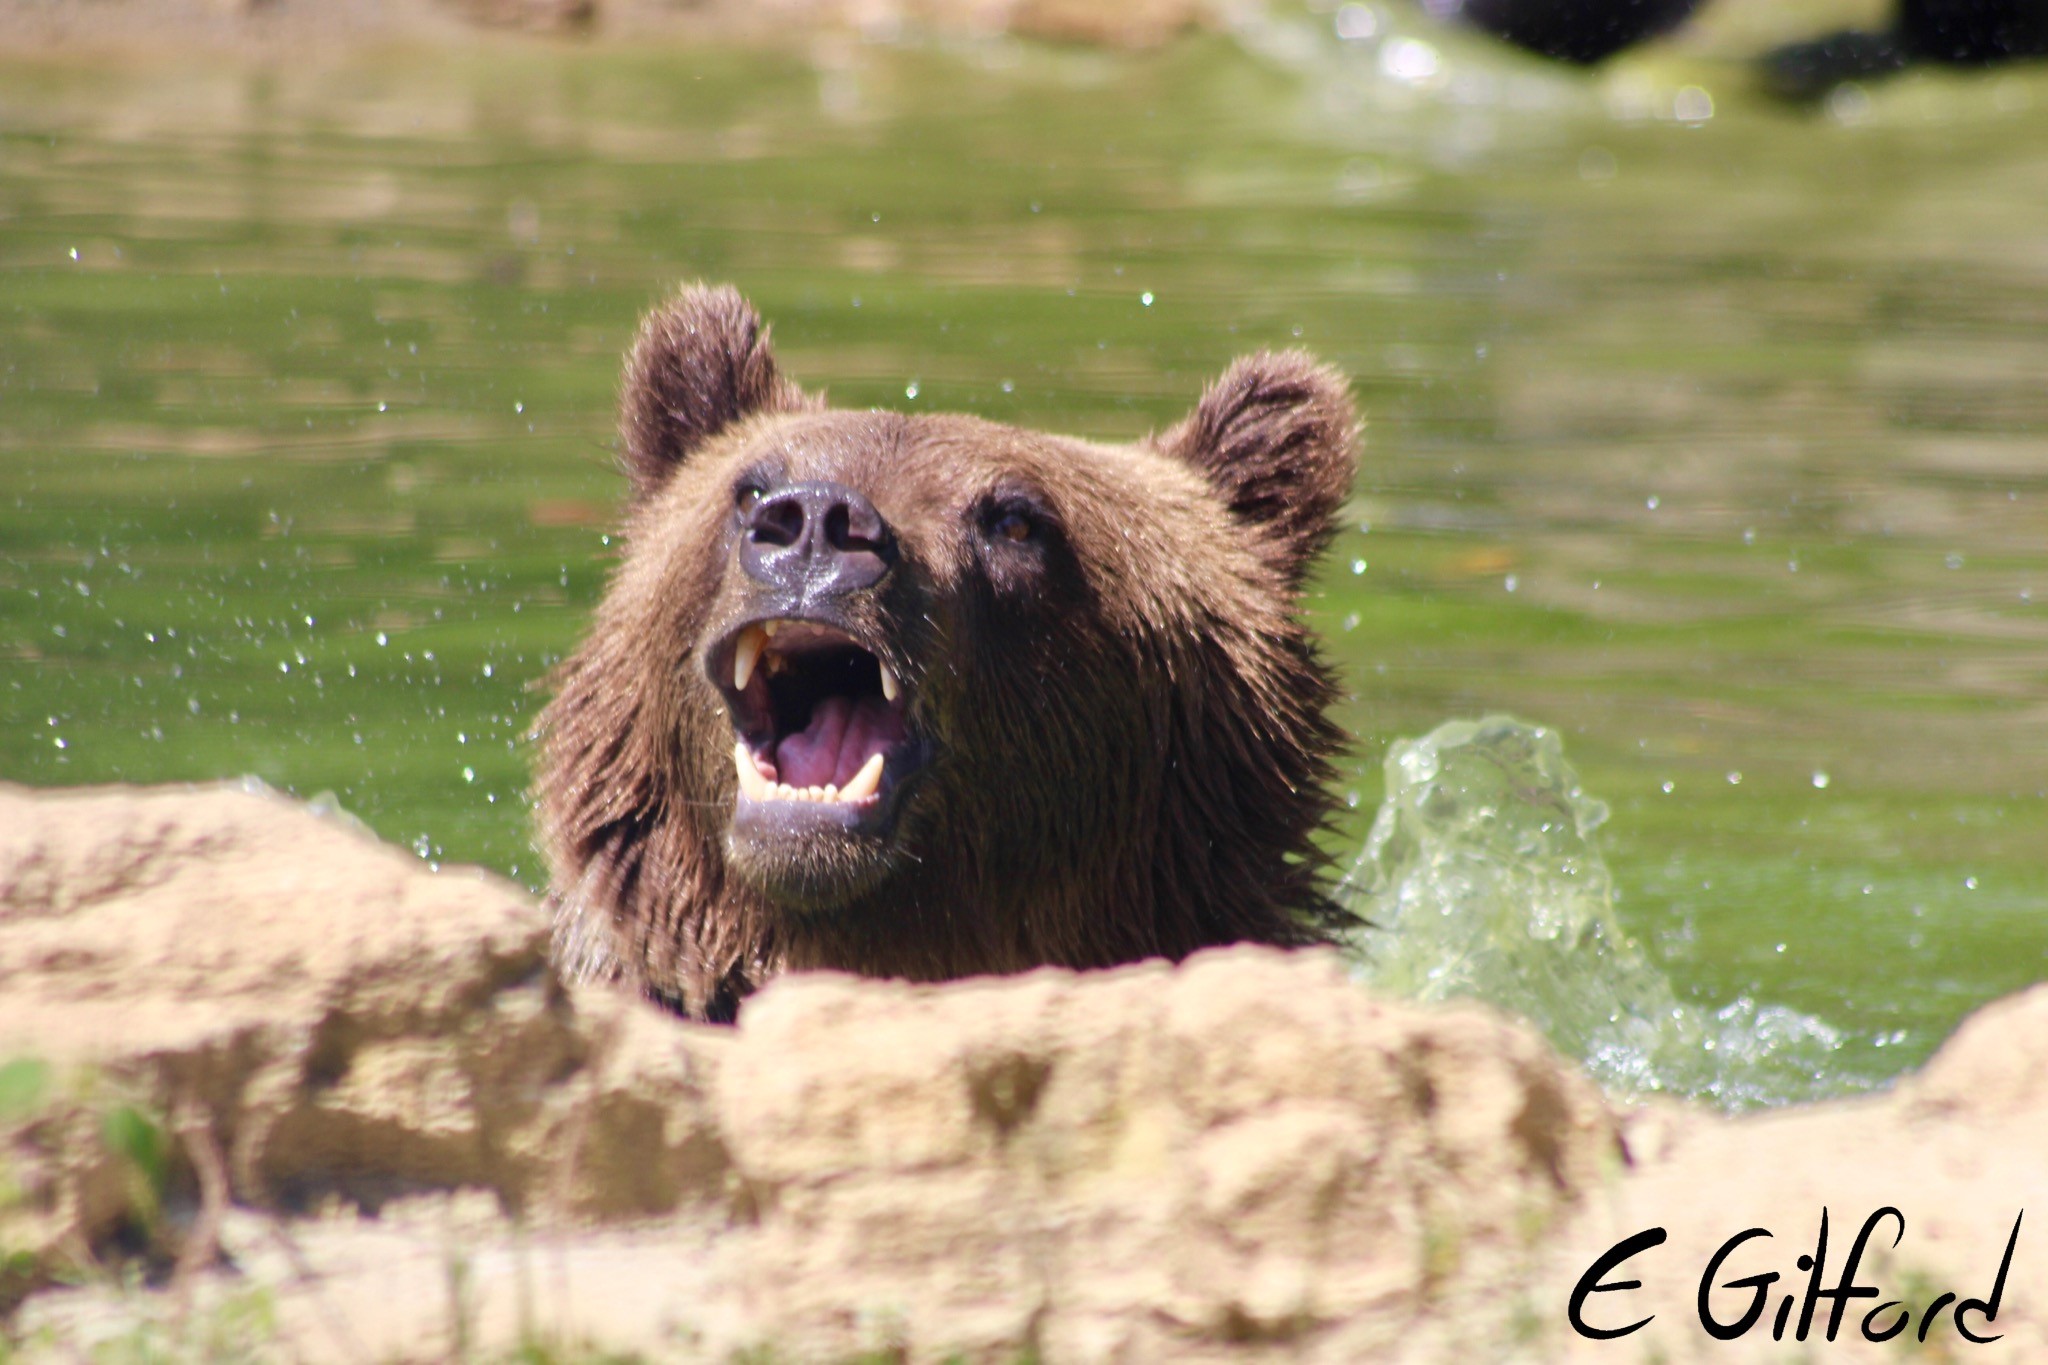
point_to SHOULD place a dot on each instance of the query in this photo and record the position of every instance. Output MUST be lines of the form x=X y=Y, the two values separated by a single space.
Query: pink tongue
x=841 y=737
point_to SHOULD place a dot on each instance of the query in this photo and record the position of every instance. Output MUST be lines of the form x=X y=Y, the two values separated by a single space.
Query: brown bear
x=926 y=696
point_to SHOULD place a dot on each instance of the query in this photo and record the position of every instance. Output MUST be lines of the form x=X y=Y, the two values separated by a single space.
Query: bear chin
x=805 y=860
x=809 y=859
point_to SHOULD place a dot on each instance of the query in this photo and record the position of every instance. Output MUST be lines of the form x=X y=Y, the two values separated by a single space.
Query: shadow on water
x=1706 y=434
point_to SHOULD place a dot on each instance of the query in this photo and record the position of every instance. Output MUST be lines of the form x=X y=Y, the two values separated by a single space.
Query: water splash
x=1483 y=879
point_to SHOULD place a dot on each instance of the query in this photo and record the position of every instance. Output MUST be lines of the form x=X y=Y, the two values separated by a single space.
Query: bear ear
x=701 y=363
x=1276 y=437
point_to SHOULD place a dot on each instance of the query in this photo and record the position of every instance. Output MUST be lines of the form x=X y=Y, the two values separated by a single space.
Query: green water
x=1720 y=447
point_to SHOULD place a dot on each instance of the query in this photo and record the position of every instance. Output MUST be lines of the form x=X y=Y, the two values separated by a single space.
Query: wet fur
x=1136 y=753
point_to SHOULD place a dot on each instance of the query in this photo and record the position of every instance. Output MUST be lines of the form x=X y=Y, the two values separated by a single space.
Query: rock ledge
x=312 y=1093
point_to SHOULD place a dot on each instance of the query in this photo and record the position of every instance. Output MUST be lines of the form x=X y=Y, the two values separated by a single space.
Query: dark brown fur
x=1132 y=750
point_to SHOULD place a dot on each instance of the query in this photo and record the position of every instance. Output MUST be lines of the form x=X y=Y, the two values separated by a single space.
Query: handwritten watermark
x=1881 y=1322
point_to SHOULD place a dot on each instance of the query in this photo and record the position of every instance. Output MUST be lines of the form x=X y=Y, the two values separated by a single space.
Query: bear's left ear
x=701 y=363
x=1276 y=435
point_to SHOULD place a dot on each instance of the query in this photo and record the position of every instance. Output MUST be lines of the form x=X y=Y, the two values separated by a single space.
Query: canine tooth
x=753 y=786
x=864 y=783
x=890 y=687
x=771 y=627
x=752 y=641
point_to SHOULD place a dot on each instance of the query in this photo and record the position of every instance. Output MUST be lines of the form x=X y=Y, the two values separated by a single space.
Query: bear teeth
x=748 y=653
x=890 y=688
x=756 y=785
x=865 y=783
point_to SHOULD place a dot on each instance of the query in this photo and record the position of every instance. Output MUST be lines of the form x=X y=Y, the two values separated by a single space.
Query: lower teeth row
x=861 y=787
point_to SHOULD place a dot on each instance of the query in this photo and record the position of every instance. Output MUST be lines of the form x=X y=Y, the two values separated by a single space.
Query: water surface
x=1718 y=444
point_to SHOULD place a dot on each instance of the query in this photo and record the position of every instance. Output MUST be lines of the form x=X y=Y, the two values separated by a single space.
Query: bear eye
x=1013 y=518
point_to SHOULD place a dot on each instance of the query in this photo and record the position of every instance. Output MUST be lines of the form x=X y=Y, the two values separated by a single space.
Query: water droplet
x=1512 y=583
x=1652 y=502
x=518 y=408
x=1410 y=60
x=1357 y=566
x=1970 y=883
x=469 y=774
x=1848 y=103
x=1820 y=781
x=382 y=638
x=1734 y=779
x=1670 y=787
x=1356 y=23
x=1146 y=298
x=1692 y=105
x=910 y=389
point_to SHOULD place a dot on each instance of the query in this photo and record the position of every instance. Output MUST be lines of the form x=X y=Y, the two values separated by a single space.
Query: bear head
x=929 y=696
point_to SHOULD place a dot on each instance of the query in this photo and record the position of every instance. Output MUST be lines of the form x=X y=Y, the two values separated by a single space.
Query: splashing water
x=1483 y=879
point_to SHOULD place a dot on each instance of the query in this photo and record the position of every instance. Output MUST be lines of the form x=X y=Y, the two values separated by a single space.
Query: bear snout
x=815 y=540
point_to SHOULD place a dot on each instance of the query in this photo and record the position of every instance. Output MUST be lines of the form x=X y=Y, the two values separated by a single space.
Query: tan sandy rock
x=1137 y=1163
x=384 y=1131
x=320 y=1012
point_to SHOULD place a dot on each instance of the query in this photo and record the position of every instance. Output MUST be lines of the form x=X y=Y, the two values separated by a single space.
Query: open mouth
x=820 y=717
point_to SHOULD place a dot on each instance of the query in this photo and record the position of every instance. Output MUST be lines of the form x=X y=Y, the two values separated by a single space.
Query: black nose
x=815 y=539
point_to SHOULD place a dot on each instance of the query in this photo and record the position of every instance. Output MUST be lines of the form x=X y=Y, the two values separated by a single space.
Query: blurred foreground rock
x=270 y=1088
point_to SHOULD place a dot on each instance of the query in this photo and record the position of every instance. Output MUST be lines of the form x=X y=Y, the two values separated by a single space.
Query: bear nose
x=815 y=539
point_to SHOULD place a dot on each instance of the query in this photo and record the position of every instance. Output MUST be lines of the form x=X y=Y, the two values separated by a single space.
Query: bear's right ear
x=1277 y=436
x=701 y=363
